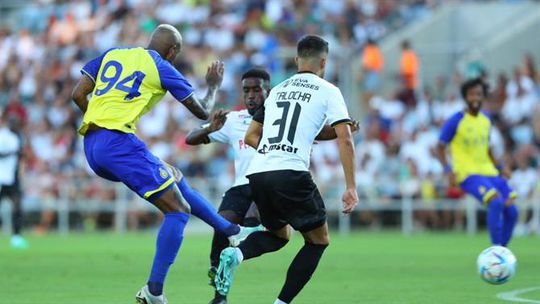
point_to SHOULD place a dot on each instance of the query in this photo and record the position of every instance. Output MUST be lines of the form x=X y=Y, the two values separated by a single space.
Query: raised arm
x=200 y=136
x=201 y=108
x=346 y=154
x=80 y=93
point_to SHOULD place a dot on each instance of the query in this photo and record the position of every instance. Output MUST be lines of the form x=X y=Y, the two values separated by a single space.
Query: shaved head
x=167 y=41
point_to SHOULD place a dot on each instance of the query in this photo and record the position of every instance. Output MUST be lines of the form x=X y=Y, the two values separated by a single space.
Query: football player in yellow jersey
x=473 y=165
x=126 y=83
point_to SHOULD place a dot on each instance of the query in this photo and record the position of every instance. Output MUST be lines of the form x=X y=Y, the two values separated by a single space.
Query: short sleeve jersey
x=233 y=133
x=293 y=114
x=10 y=145
x=128 y=83
x=468 y=138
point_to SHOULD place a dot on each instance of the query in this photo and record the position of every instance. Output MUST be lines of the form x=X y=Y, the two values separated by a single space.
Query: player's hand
x=452 y=180
x=355 y=126
x=218 y=120
x=350 y=200
x=214 y=74
x=506 y=172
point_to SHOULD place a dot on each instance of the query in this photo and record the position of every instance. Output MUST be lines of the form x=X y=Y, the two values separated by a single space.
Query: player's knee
x=317 y=239
x=494 y=199
x=510 y=202
x=318 y=236
x=230 y=216
x=172 y=201
x=283 y=233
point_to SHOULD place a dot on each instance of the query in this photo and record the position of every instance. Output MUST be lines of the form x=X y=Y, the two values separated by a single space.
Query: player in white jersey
x=236 y=204
x=230 y=128
x=11 y=148
x=283 y=132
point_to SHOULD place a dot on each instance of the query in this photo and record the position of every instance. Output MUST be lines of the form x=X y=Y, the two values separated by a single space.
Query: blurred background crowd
x=44 y=44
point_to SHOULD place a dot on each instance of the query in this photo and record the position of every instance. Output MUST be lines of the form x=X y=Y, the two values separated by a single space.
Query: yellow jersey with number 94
x=128 y=83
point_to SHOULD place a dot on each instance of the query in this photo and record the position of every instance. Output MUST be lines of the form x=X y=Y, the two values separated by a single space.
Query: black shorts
x=10 y=191
x=288 y=197
x=238 y=200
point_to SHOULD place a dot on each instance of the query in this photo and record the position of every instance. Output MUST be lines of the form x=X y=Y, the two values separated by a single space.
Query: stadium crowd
x=43 y=52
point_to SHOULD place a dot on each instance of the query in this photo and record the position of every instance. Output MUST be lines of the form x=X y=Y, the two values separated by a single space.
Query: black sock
x=219 y=296
x=300 y=271
x=259 y=243
x=219 y=242
x=16 y=221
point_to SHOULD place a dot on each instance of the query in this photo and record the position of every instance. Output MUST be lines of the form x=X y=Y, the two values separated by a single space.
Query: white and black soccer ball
x=496 y=265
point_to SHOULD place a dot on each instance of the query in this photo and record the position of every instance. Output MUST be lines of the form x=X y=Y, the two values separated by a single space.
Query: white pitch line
x=513 y=296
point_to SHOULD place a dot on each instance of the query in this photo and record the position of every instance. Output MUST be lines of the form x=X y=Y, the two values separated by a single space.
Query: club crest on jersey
x=277 y=147
x=163 y=173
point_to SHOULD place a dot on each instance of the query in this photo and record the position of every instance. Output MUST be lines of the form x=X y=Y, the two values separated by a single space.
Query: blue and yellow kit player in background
x=125 y=83
x=473 y=165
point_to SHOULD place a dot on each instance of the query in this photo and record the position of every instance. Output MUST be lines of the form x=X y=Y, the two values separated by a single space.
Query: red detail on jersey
x=242 y=144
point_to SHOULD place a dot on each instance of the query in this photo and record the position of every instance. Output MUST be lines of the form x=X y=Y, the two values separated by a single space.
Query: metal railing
x=67 y=204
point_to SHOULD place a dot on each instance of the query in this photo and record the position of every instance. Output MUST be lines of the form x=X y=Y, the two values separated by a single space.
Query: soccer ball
x=496 y=265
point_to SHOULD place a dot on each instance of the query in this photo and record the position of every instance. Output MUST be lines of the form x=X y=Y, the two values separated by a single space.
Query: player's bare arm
x=253 y=134
x=202 y=108
x=200 y=136
x=84 y=87
x=328 y=133
x=441 y=156
x=346 y=154
x=505 y=171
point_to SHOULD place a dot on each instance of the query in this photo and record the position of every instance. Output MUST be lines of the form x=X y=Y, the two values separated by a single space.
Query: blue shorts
x=483 y=188
x=122 y=157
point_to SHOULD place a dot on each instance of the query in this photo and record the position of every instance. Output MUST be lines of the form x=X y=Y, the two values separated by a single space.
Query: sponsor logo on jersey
x=277 y=147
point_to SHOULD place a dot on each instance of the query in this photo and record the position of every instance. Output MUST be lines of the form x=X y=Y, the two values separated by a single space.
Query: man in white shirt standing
x=283 y=131
x=10 y=151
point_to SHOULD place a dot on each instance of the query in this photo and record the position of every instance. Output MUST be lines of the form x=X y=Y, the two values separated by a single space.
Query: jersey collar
x=305 y=72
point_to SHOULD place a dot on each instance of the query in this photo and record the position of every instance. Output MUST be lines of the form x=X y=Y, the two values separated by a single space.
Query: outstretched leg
x=256 y=244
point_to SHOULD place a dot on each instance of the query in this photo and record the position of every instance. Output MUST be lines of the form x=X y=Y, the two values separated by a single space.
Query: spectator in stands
x=10 y=187
x=409 y=68
x=372 y=65
x=525 y=180
x=44 y=50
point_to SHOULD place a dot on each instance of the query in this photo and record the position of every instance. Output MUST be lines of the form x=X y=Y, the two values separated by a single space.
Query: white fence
x=124 y=202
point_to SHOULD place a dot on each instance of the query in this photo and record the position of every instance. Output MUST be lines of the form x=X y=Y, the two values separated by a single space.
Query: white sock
x=278 y=301
x=239 y=255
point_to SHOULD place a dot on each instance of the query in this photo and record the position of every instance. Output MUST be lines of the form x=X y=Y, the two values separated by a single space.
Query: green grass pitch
x=359 y=268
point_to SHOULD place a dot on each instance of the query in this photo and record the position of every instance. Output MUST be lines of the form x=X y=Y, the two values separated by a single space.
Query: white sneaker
x=234 y=240
x=18 y=242
x=145 y=297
